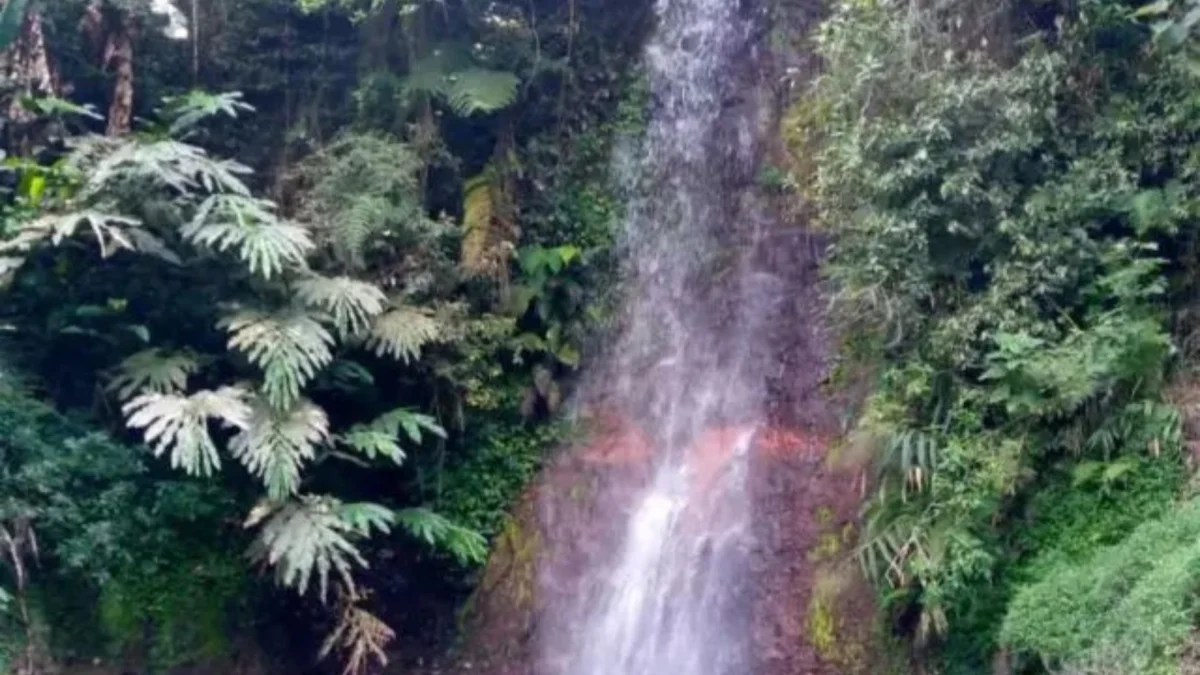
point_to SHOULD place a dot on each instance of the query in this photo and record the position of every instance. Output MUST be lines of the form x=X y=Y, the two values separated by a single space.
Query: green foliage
x=478 y=489
x=12 y=15
x=1133 y=603
x=1006 y=230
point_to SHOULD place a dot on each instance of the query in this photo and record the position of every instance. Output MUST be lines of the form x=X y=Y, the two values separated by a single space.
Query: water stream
x=690 y=366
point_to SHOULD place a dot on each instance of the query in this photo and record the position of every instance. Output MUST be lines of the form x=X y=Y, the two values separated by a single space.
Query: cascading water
x=690 y=367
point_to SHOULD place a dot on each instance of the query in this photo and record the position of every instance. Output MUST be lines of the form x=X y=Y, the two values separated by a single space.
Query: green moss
x=827 y=630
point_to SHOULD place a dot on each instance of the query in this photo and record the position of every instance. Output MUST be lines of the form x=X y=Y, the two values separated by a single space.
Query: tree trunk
x=26 y=67
x=118 y=55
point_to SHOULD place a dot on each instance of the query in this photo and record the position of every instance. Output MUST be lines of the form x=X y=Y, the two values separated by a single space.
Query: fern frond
x=266 y=244
x=313 y=535
x=466 y=545
x=365 y=518
x=412 y=423
x=401 y=333
x=351 y=303
x=448 y=73
x=179 y=166
x=477 y=90
x=380 y=438
x=110 y=231
x=373 y=443
x=360 y=635
x=177 y=424
x=153 y=371
x=188 y=110
x=290 y=347
x=275 y=444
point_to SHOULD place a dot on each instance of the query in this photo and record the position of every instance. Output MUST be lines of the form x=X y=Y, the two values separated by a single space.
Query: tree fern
x=313 y=535
x=477 y=90
x=178 y=425
x=449 y=73
x=266 y=244
x=290 y=347
x=401 y=332
x=275 y=444
x=352 y=303
x=153 y=371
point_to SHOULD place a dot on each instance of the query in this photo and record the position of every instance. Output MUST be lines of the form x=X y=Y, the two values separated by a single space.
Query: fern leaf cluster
x=266 y=244
x=153 y=371
x=449 y=73
x=276 y=444
x=290 y=347
x=178 y=425
x=313 y=536
x=402 y=332
x=351 y=303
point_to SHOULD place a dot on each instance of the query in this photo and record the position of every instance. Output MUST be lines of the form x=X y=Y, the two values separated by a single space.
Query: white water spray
x=670 y=600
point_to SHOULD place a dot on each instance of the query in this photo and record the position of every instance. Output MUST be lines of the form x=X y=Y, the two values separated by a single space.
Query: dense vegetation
x=1012 y=196
x=293 y=290
x=290 y=287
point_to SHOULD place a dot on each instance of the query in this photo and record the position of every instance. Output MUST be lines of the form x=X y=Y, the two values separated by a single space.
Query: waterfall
x=690 y=367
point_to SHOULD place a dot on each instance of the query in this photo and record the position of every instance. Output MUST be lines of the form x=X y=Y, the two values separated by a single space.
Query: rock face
x=810 y=613
x=708 y=421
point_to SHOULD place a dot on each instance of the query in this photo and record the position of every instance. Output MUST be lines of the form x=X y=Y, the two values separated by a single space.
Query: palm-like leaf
x=401 y=333
x=466 y=545
x=275 y=444
x=313 y=535
x=111 y=231
x=351 y=303
x=183 y=168
x=478 y=90
x=373 y=443
x=153 y=371
x=178 y=425
x=290 y=348
x=380 y=438
x=448 y=73
x=266 y=244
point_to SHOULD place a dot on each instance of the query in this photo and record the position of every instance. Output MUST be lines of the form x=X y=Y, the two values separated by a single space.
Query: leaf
x=153 y=371
x=478 y=90
x=364 y=517
x=401 y=333
x=290 y=347
x=412 y=423
x=373 y=443
x=1152 y=9
x=465 y=545
x=188 y=110
x=353 y=304
x=275 y=444
x=304 y=537
x=111 y=231
x=176 y=424
x=266 y=244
